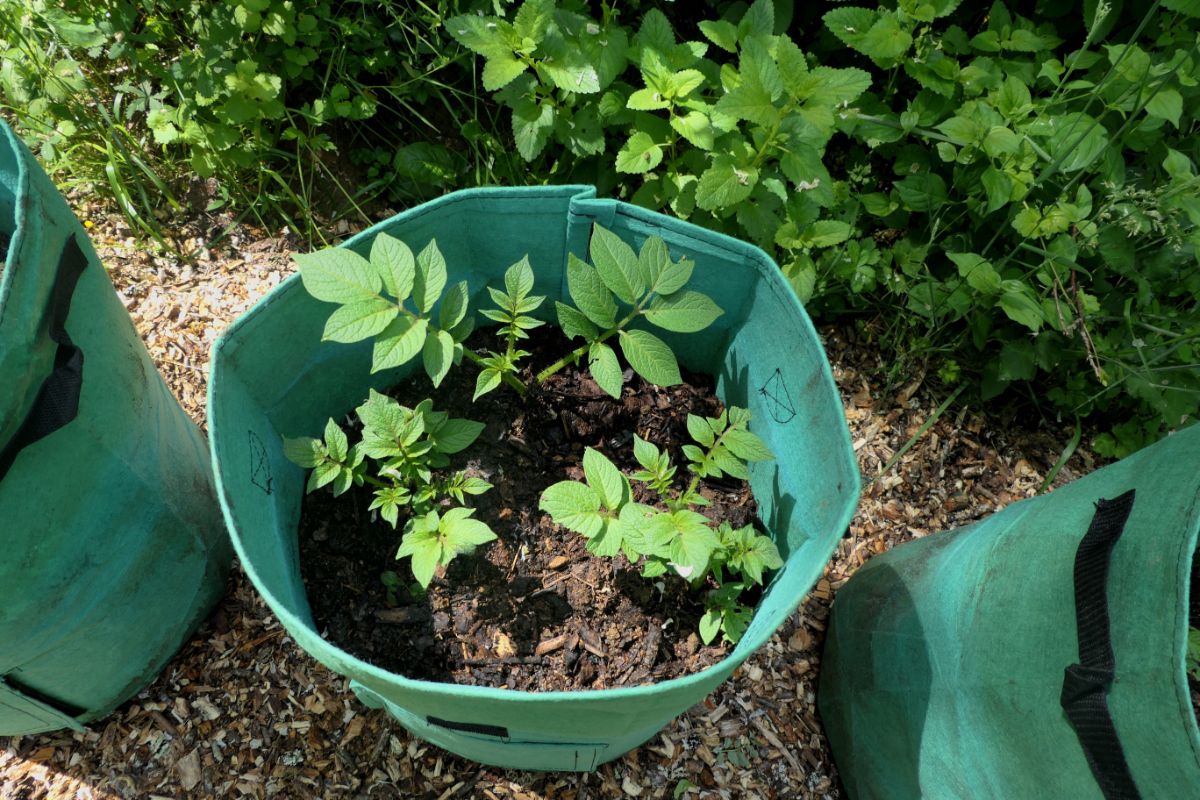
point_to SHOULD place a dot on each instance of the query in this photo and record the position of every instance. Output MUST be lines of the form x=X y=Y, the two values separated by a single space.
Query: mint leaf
x=602 y=363
x=338 y=275
x=359 y=320
x=487 y=36
x=589 y=293
x=721 y=33
x=650 y=357
x=639 y=154
x=684 y=311
x=725 y=184
x=500 y=70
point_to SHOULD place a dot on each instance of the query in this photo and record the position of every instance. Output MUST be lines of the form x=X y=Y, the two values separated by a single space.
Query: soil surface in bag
x=533 y=610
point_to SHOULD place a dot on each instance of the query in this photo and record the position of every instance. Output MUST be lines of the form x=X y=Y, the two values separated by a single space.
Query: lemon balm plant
x=401 y=301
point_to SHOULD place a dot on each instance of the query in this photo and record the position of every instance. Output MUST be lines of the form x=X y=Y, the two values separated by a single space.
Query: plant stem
x=573 y=356
x=507 y=377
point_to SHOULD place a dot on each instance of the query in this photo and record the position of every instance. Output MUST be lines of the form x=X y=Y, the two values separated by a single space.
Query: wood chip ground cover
x=242 y=712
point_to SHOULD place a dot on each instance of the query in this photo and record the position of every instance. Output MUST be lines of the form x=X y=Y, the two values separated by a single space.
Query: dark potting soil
x=533 y=610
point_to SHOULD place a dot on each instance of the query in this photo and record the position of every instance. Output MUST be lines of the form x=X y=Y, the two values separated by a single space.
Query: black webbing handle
x=57 y=402
x=1086 y=684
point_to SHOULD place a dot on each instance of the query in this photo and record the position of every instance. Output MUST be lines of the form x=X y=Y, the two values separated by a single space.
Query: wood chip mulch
x=242 y=712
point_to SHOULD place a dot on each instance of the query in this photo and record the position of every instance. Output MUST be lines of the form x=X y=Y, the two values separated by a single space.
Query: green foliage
x=409 y=450
x=1014 y=194
x=652 y=285
x=675 y=538
x=514 y=305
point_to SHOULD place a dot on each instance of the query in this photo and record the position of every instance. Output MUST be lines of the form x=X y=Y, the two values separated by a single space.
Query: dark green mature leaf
x=650 y=357
x=1018 y=302
x=925 y=191
x=978 y=272
x=589 y=293
x=684 y=311
x=338 y=275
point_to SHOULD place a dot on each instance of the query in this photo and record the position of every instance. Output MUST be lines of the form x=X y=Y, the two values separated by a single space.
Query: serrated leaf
x=725 y=184
x=650 y=357
x=304 y=452
x=603 y=366
x=359 y=320
x=922 y=192
x=647 y=100
x=605 y=479
x=430 y=277
x=639 y=154
x=696 y=127
x=488 y=380
x=574 y=323
x=482 y=35
x=616 y=264
x=532 y=124
x=684 y=311
x=500 y=70
x=398 y=343
x=825 y=86
x=573 y=505
x=750 y=101
x=438 y=355
x=338 y=275
x=590 y=294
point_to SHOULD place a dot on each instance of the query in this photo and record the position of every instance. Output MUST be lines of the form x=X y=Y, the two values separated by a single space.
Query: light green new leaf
x=606 y=480
x=589 y=293
x=438 y=355
x=396 y=266
x=398 y=343
x=454 y=307
x=456 y=435
x=574 y=323
x=430 y=278
x=338 y=275
x=747 y=446
x=1166 y=104
x=608 y=541
x=616 y=264
x=674 y=275
x=700 y=430
x=461 y=533
x=573 y=505
x=306 y=451
x=487 y=36
x=336 y=443
x=721 y=33
x=602 y=363
x=359 y=320
x=710 y=625
x=532 y=124
x=639 y=154
x=725 y=184
x=650 y=357
x=488 y=380
x=518 y=279
x=645 y=453
x=653 y=258
x=696 y=127
x=500 y=70
x=684 y=311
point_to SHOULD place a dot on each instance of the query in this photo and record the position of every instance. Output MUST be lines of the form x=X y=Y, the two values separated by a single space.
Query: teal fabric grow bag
x=113 y=549
x=963 y=664
x=272 y=374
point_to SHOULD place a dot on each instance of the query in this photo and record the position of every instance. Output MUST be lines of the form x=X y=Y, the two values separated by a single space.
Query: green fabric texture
x=272 y=375
x=113 y=545
x=944 y=657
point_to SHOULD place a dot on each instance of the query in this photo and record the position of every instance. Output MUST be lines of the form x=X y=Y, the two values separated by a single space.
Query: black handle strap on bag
x=57 y=402
x=1086 y=684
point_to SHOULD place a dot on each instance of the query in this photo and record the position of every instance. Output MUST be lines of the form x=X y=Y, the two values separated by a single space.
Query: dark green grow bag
x=962 y=665
x=113 y=549
x=273 y=375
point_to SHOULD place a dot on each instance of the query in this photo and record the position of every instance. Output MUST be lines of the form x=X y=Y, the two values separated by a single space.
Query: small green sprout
x=433 y=540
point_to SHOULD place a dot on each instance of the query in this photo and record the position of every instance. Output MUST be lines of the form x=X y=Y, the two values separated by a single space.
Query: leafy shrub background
x=1006 y=199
